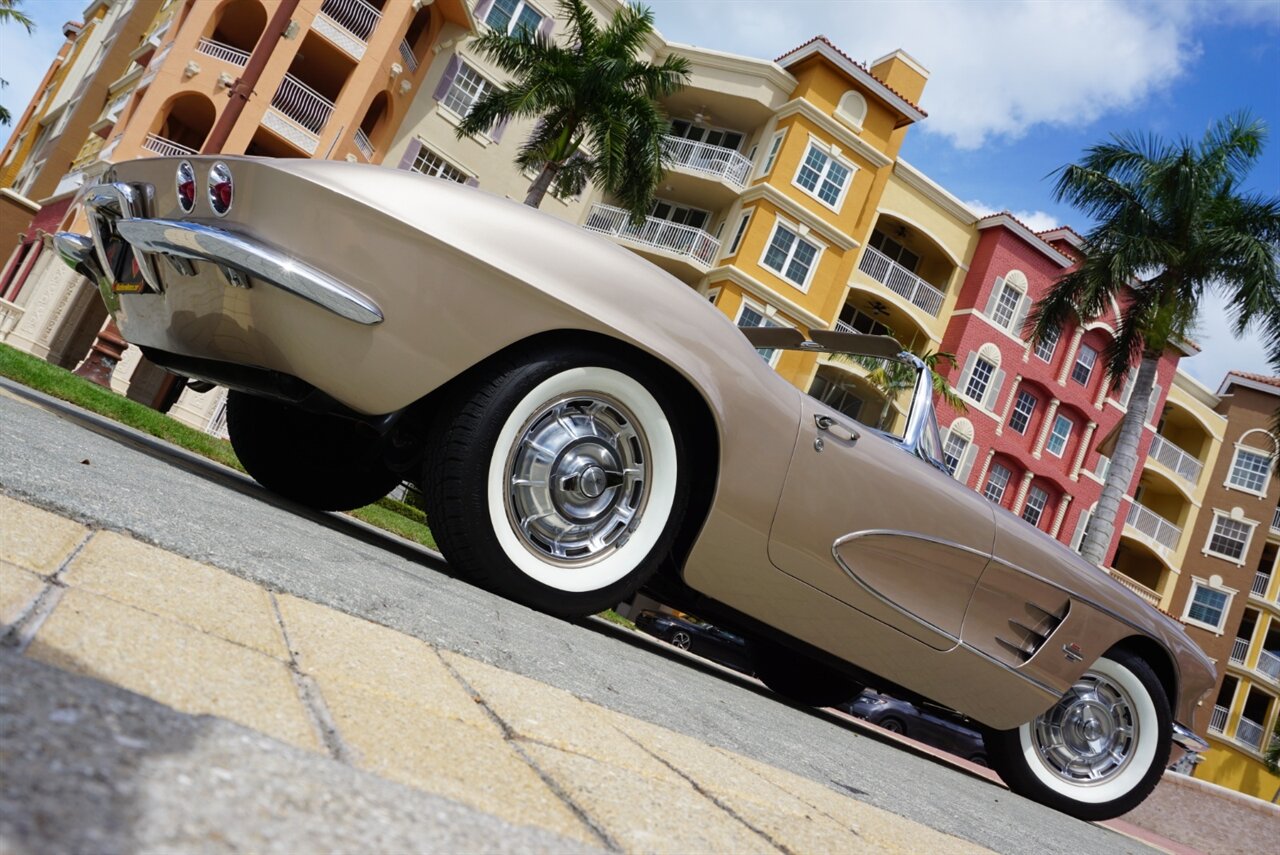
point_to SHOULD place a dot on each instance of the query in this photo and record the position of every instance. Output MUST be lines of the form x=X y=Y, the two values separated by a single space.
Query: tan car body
x=859 y=549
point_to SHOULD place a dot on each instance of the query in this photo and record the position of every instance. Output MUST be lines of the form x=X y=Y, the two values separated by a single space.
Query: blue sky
x=1016 y=89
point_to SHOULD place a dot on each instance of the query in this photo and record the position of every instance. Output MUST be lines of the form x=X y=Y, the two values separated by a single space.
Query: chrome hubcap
x=1089 y=736
x=577 y=479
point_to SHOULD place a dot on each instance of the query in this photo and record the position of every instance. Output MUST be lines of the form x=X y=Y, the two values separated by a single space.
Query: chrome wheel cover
x=577 y=479
x=682 y=640
x=1088 y=737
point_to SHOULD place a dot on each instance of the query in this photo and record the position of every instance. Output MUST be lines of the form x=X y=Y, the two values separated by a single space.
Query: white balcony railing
x=661 y=234
x=1137 y=587
x=711 y=160
x=1275 y=520
x=165 y=148
x=1218 y=720
x=362 y=143
x=1239 y=650
x=303 y=104
x=1172 y=457
x=1250 y=733
x=900 y=280
x=406 y=53
x=1269 y=664
x=226 y=53
x=10 y=314
x=355 y=16
x=1154 y=526
x=1260 y=583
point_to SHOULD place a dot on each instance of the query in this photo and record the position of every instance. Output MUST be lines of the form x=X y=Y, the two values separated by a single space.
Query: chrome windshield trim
x=206 y=243
x=1185 y=738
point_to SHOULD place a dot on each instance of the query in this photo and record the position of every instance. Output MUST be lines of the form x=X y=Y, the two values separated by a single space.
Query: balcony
x=689 y=246
x=712 y=161
x=1175 y=459
x=226 y=53
x=900 y=280
x=1269 y=664
x=1218 y=720
x=347 y=23
x=362 y=143
x=1260 y=583
x=1153 y=527
x=1275 y=521
x=298 y=113
x=1249 y=733
x=165 y=148
x=1239 y=650
x=1152 y=597
x=406 y=54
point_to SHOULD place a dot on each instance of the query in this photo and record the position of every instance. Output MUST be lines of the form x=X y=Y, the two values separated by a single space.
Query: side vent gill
x=1030 y=632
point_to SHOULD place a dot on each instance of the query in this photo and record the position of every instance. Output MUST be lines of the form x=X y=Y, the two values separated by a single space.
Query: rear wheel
x=801 y=679
x=1100 y=750
x=316 y=459
x=558 y=481
x=893 y=725
x=681 y=639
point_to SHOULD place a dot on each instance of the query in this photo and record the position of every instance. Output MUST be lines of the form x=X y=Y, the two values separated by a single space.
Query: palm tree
x=1271 y=759
x=891 y=378
x=10 y=13
x=595 y=101
x=1172 y=225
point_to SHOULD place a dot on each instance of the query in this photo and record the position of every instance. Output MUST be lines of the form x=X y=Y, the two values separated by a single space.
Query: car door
x=890 y=534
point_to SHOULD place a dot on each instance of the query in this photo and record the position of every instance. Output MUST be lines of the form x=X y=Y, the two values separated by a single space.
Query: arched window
x=852 y=109
x=1008 y=304
x=982 y=378
x=1251 y=466
x=959 y=450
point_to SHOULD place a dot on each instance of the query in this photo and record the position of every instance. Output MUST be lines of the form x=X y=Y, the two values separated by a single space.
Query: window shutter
x=990 y=311
x=548 y=24
x=1151 y=404
x=966 y=463
x=473 y=182
x=482 y=9
x=1081 y=522
x=993 y=393
x=496 y=132
x=450 y=72
x=410 y=154
x=968 y=369
x=1020 y=316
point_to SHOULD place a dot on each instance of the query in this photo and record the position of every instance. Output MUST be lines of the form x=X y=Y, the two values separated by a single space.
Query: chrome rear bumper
x=1186 y=739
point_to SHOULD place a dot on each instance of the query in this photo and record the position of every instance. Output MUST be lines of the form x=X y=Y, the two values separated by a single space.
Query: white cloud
x=1037 y=221
x=1222 y=351
x=997 y=68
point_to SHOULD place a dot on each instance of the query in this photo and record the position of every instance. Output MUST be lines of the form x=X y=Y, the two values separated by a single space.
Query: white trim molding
x=843 y=133
x=786 y=204
x=761 y=291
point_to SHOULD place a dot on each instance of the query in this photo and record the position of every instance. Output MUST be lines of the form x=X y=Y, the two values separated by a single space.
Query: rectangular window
x=1022 y=410
x=1033 y=510
x=1229 y=538
x=465 y=89
x=737 y=235
x=514 y=16
x=750 y=316
x=822 y=176
x=979 y=380
x=429 y=163
x=1249 y=470
x=1058 y=438
x=997 y=481
x=1207 y=606
x=774 y=147
x=1007 y=306
x=1083 y=368
x=953 y=451
x=896 y=252
x=790 y=255
x=1047 y=345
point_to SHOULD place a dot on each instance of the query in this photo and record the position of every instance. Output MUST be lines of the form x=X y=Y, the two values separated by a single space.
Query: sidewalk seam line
x=23 y=630
x=312 y=698
x=510 y=737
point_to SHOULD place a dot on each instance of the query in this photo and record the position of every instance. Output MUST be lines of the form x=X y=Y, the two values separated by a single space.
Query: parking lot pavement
x=283 y=691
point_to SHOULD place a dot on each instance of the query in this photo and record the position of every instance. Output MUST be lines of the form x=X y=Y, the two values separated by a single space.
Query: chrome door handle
x=835 y=428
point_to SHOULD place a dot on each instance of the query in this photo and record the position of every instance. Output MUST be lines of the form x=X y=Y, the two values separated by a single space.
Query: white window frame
x=1235 y=460
x=771 y=153
x=1092 y=363
x=986 y=384
x=1007 y=288
x=739 y=233
x=1196 y=584
x=964 y=449
x=770 y=321
x=1040 y=508
x=713 y=294
x=445 y=163
x=823 y=149
x=1049 y=344
x=1053 y=432
x=780 y=223
x=1213 y=528
x=486 y=85
x=1017 y=401
x=521 y=5
x=1003 y=487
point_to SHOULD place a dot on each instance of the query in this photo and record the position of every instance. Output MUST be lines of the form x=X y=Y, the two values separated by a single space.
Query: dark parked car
x=709 y=642
x=935 y=726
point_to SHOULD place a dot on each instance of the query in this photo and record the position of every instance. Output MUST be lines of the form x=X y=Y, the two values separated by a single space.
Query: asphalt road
x=110 y=477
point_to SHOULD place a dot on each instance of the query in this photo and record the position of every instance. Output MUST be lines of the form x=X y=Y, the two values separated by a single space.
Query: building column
x=1022 y=491
x=1080 y=452
x=1045 y=428
x=1060 y=515
x=982 y=474
x=1103 y=390
x=1013 y=395
x=1070 y=361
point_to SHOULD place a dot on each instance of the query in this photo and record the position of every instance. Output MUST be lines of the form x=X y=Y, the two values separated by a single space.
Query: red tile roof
x=1009 y=214
x=826 y=41
x=1259 y=378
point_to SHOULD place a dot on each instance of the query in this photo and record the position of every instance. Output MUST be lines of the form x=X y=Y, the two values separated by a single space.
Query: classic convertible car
x=584 y=426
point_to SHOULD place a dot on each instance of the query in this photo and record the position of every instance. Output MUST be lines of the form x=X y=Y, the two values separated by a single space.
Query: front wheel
x=681 y=639
x=1100 y=750
x=560 y=482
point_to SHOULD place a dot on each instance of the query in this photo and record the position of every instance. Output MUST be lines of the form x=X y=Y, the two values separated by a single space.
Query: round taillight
x=186 y=187
x=220 y=189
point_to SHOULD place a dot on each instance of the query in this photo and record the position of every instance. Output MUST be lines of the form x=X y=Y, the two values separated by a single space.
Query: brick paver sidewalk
x=202 y=641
